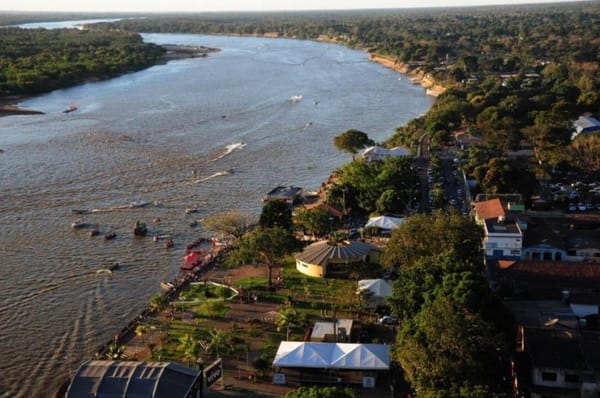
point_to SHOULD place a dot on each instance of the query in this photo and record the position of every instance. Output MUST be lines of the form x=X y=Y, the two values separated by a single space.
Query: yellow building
x=323 y=259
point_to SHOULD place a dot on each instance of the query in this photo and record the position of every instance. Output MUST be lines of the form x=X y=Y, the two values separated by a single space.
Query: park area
x=232 y=314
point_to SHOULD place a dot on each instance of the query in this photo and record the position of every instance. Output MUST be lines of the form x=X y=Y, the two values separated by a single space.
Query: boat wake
x=230 y=149
x=215 y=175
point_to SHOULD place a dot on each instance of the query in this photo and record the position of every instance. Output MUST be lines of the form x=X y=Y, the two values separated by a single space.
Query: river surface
x=213 y=133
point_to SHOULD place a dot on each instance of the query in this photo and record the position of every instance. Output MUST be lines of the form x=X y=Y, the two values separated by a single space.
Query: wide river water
x=166 y=135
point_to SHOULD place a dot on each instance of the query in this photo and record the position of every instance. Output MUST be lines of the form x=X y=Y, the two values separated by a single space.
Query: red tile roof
x=489 y=209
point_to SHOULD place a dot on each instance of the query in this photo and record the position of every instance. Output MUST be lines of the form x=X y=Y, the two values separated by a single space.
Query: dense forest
x=39 y=60
x=516 y=76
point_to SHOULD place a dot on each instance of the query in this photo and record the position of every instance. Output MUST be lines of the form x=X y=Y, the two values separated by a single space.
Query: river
x=213 y=133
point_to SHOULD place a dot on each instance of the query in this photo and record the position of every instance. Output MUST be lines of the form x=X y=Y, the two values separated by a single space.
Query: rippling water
x=164 y=135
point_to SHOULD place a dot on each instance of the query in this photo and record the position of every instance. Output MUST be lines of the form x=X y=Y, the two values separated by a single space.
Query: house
x=554 y=364
x=377 y=153
x=556 y=355
x=504 y=223
x=546 y=279
x=98 y=378
x=323 y=258
x=585 y=124
x=289 y=194
x=569 y=238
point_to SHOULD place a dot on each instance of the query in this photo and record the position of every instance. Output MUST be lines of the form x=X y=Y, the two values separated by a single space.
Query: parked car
x=387 y=320
x=581 y=207
x=572 y=207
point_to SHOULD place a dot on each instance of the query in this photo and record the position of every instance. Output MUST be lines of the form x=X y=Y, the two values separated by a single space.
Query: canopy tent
x=378 y=287
x=297 y=354
x=384 y=222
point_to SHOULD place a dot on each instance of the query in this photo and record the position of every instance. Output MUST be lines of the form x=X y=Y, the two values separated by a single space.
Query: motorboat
x=94 y=232
x=139 y=203
x=140 y=229
x=191 y=210
x=110 y=235
x=78 y=224
x=167 y=285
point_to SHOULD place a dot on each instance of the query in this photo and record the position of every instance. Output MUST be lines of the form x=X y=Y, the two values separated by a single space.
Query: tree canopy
x=352 y=141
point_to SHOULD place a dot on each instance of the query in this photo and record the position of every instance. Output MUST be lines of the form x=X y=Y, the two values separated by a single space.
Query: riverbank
x=9 y=107
x=417 y=76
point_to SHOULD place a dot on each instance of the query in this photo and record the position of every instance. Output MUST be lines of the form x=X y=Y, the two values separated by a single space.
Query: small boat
x=71 y=108
x=114 y=267
x=94 y=232
x=167 y=285
x=140 y=229
x=78 y=224
x=80 y=211
x=169 y=243
x=139 y=203
x=110 y=235
x=191 y=210
x=295 y=98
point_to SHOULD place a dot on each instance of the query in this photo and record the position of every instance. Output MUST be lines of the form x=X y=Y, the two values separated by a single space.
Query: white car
x=582 y=207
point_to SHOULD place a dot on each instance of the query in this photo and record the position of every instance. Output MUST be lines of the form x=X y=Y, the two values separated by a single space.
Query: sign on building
x=278 y=378
x=214 y=373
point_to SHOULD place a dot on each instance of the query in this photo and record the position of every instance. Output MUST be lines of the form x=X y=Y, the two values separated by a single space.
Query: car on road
x=387 y=320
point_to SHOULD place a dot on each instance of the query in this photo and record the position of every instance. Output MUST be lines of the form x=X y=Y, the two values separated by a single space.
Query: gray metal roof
x=132 y=379
x=321 y=253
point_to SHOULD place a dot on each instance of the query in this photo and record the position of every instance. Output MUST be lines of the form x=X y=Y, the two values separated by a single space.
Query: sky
x=238 y=5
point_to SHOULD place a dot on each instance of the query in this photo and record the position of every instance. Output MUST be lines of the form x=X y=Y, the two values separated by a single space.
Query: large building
x=133 y=379
x=323 y=259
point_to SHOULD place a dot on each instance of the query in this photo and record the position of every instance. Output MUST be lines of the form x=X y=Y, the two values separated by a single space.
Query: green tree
x=441 y=233
x=276 y=213
x=189 y=346
x=115 y=351
x=218 y=342
x=445 y=345
x=288 y=318
x=352 y=141
x=266 y=246
x=314 y=221
x=229 y=223
x=321 y=392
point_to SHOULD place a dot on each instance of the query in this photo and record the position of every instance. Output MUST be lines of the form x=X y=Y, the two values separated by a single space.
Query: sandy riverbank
x=417 y=76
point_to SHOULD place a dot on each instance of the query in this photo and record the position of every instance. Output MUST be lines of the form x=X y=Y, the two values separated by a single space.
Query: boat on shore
x=167 y=285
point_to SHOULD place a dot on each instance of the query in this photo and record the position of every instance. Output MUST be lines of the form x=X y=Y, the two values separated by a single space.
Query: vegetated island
x=35 y=61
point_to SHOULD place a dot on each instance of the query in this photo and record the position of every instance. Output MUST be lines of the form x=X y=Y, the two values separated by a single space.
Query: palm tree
x=141 y=330
x=218 y=341
x=189 y=346
x=288 y=318
x=115 y=351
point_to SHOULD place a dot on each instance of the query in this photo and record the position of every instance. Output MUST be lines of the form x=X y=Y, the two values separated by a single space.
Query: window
x=548 y=376
x=570 y=378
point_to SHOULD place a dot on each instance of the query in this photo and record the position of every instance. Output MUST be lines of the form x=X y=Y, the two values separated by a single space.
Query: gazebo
x=321 y=258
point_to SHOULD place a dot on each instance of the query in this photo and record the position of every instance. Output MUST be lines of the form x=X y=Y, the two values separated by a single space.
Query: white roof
x=379 y=287
x=297 y=354
x=320 y=329
x=385 y=222
x=380 y=152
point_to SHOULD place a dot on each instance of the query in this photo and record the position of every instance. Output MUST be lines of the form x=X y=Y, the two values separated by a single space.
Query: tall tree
x=276 y=213
x=267 y=246
x=352 y=141
x=230 y=223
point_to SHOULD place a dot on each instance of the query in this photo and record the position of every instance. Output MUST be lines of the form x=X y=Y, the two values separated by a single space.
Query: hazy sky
x=237 y=5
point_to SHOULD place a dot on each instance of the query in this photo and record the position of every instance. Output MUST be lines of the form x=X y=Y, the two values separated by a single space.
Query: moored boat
x=78 y=224
x=167 y=285
x=110 y=235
